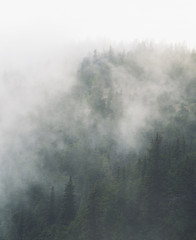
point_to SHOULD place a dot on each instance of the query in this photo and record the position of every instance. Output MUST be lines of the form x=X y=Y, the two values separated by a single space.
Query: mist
x=32 y=86
x=79 y=104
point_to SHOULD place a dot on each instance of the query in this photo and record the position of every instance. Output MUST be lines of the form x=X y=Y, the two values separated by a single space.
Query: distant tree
x=153 y=179
x=68 y=208
x=51 y=210
x=95 y=55
x=94 y=215
x=111 y=55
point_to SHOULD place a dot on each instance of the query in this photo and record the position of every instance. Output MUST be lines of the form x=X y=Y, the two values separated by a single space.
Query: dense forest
x=112 y=159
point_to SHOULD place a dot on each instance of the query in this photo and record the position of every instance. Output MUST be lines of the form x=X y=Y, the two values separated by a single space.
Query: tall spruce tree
x=153 y=180
x=68 y=208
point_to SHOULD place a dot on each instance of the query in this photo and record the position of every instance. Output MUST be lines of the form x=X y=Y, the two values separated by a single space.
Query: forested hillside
x=112 y=159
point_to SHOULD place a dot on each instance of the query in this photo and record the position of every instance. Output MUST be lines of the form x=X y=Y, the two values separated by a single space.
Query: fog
x=90 y=91
x=34 y=85
x=85 y=86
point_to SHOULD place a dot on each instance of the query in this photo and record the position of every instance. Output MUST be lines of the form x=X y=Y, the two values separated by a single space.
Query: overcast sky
x=38 y=22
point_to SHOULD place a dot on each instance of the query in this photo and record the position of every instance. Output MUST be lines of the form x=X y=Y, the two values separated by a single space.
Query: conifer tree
x=153 y=179
x=68 y=209
x=94 y=216
x=51 y=212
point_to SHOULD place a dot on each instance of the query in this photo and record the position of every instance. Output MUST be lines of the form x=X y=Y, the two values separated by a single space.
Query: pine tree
x=51 y=210
x=94 y=216
x=153 y=180
x=68 y=209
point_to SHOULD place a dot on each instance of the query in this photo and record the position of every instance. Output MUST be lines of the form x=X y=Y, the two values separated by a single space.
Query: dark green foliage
x=152 y=197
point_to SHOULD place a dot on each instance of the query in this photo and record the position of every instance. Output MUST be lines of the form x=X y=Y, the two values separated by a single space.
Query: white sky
x=55 y=21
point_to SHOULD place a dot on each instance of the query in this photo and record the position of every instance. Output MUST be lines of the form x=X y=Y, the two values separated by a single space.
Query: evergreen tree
x=51 y=210
x=153 y=180
x=68 y=209
x=94 y=215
